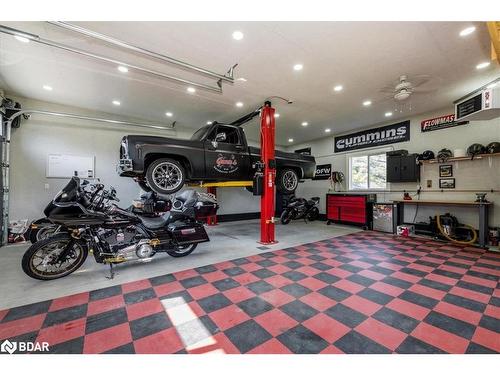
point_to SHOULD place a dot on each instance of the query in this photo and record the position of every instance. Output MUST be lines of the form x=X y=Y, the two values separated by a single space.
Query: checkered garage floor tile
x=362 y=293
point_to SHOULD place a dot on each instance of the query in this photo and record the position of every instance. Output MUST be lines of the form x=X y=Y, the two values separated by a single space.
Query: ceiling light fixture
x=338 y=88
x=239 y=104
x=483 y=65
x=328 y=130
x=467 y=31
x=388 y=114
x=491 y=85
x=298 y=67
x=209 y=122
x=116 y=102
x=191 y=90
x=290 y=140
x=21 y=39
x=305 y=123
x=123 y=69
x=241 y=79
x=47 y=87
x=367 y=103
x=237 y=35
x=169 y=114
x=276 y=115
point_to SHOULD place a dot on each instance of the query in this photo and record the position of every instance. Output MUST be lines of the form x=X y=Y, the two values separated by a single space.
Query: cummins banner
x=384 y=135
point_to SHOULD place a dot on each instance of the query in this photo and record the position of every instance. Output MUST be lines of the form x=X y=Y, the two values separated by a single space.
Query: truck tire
x=287 y=181
x=143 y=185
x=165 y=176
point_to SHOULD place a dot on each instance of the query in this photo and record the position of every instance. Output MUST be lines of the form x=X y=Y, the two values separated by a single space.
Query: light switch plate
x=429 y=183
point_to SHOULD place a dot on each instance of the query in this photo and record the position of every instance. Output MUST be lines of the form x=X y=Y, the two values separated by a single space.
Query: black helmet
x=444 y=154
x=426 y=155
x=493 y=148
x=475 y=149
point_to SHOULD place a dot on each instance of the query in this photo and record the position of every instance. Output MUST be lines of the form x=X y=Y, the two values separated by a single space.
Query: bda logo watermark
x=23 y=346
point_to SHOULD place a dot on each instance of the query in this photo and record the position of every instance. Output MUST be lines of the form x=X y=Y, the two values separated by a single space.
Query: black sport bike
x=90 y=222
x=300 y=208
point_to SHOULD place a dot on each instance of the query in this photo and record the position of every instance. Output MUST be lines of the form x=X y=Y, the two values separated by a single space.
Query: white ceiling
x=361 y=56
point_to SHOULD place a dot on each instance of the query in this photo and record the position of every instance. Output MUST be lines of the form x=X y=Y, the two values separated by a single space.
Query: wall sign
x=304 y=151
x=323 y=172
x=383 y=135
x=442 y=122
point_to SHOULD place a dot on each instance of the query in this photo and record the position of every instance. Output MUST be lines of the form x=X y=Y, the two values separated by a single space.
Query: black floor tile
x=268 y=255
x=74 y=346
x=206 y=269
x=321 y=266
x=396 y=282
x=355 y=343
x=418 y=299
x=163 y=279
x=292 y=256
x=266 y=263
x=464 y=302
x=263 y=273
x=474 y=348
x=226 y=284
x=375 y=296
x=259 y=287
x=65 y=315
x=411 y=271
x=294 y=275
x=212 y=303
x=299 y=310
x=326 y=277
x=124 y=349
x=26 y=311
x=450 y=324
x=105 y=320
x=240 y=261
x=296 y=290
x=411 y=345
x=490 y=323
x=482 y=275
x=334 y=293
x=234 y=271
x=300 y=340
x=255 y=306
x=351 y=268
x=382 y=270
x=475 y=287
x=247 y=335
x=293 y=264
x=139 y=296
x=183 y=294
x=346 y=315
x=361 y=280
x=148 y=325
x=394 y=319
x=105 y=292
x=450 y=274
x=435 y=285
x=316 y=257
x=193 y=282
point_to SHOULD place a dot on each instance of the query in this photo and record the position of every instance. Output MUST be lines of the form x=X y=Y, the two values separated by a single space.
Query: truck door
x=226 y=154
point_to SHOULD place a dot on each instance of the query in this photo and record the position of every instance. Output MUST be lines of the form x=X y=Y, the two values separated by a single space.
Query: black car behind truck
x=215 y=153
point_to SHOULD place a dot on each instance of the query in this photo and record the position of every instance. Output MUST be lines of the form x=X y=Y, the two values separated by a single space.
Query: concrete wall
x=478 y=174
x=42 y=135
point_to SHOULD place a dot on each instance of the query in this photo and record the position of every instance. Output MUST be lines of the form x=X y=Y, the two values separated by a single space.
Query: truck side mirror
x=220 y=137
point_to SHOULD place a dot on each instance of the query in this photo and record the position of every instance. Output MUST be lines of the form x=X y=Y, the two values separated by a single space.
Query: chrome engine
x=140 y=251
x=127 y=244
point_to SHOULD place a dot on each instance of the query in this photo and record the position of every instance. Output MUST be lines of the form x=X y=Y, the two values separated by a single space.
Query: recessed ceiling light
x=298 y=67
x=467 y=31
x=491 y=85
x=241 y=79
x=169 y=114
x=209 y=122
x=239 y=104
x=237 y=35
x=21 y=39
x=305 y=123
x=367 y=103
x=123 y=69
x=290 y=139
x=116 y=102
x=388 y=114
x=328 y=130
x=191 y=90
x=47 y=87
x=338 y=88
x=483 y=65
x=276 y=115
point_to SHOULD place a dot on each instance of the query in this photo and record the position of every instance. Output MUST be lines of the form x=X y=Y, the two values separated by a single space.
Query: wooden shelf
x=440 y=203
x=464 y=158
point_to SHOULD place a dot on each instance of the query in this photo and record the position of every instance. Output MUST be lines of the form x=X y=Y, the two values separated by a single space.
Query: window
x=367 y=172
x=232 y=134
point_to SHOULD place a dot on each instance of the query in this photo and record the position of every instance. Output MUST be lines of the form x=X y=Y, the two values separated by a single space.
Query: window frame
x=367 y=154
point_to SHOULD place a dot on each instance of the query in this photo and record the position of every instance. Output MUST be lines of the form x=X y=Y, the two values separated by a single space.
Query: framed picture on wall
x=446 y=170
x=447 y=183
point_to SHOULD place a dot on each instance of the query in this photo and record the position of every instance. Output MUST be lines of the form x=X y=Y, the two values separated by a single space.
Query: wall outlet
x=47 y=186
x=429 y=183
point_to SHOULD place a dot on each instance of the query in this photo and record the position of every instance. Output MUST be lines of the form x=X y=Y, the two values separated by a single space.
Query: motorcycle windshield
x=69 y=193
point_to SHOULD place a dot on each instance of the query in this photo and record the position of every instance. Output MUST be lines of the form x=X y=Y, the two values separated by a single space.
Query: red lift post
x=267 y=132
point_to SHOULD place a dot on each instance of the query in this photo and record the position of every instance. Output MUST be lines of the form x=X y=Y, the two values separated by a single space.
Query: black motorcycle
x=91 y=223
x=300 y=208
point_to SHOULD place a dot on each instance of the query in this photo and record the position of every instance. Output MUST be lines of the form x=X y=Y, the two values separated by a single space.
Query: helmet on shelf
x=493 y=148
x=475 y=149
x=426 y=155
x=444 y=154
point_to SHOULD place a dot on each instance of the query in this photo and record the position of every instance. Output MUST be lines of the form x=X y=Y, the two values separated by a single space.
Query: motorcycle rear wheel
x=286 y=217
x=313 y=214
x=182 y=250
x=47 y=250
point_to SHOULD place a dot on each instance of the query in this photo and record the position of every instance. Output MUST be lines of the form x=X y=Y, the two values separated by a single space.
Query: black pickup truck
x=217 y=152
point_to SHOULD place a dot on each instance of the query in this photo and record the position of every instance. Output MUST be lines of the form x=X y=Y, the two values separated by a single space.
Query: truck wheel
x=287 y=181
x=143 y=185
x=165 y=176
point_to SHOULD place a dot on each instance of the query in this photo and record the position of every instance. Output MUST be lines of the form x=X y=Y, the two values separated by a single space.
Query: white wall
x=42 y=135
x=478 y=174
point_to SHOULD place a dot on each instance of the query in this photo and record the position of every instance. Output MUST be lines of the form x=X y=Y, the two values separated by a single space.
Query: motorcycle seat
x=155 y=222
x=316 y=199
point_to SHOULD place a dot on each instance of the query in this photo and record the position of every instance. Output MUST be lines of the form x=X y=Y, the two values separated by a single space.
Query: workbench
x=482 y=208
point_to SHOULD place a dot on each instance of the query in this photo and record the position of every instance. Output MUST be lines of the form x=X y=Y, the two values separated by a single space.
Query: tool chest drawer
x=348 y=209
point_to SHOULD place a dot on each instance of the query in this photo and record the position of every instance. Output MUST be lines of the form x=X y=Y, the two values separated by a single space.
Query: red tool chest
x=348 y=209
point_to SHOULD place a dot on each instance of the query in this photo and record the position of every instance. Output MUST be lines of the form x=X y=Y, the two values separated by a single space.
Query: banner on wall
x=383 y=135
x=441 y=122
x=323 y=172
x=304 y=151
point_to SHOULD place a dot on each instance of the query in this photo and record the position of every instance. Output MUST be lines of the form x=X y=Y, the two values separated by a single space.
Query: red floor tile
x=166 y=341
x=141 y=309
x=238 y=294
x=106 y=304
x=470 y=294
x=408 y=309
x=428 y=292
x=277 y=297
x=372 y=275
x=107 y=339
x=62 y=332
x=318 y=301
x=389 y=289
x=440 y=338
x=136 y=285
x=228 y=317
x=272 y=346
x=383 y=334
x=458 y=312
x=69 y=301
x=21 y=326
x=487 y=338
x=349 y=286
x=275 y=322
x=362 y=305
x=202 y=291
x=326 y=327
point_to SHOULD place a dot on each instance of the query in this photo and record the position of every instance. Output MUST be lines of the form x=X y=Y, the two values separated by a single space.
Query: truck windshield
x=200 y=133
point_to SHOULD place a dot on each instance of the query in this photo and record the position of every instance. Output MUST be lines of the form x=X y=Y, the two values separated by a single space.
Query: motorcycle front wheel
x=182 y=250
x=286 y=217
x=43 y=232
x=44 y=260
